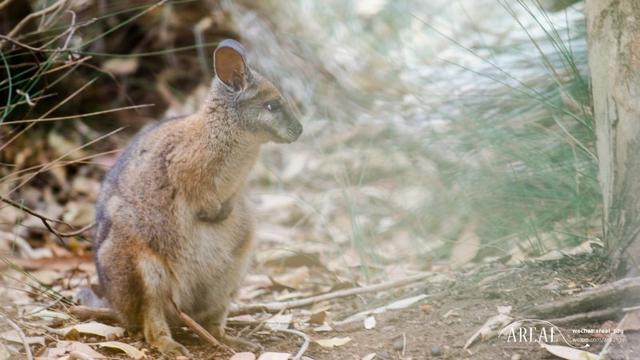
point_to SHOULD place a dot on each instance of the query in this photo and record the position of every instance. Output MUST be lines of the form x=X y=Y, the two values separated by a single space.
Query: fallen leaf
x=489 y=329
x=323 y=328
x=119 y=66
x=48 y=314
x=569 y=353
x=14 y=337
x=370 y=356
x=369 y=322
x=292 y=279
x=131 y=351
x=318 y=317
x=396 y=305
x=79 y=214
x=94 y=328
x=62 y=263
x=64 y=347
x=332 y=342
x=405 y=303
x=287 y=258
x=279 y=322
x=243 y=356
x=274 y=356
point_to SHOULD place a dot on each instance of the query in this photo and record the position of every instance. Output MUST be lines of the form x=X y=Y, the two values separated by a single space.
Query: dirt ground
x=437 y=327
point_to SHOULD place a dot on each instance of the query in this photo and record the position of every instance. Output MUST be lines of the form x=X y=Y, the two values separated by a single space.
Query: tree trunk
x=557 y=5
x=614 y=60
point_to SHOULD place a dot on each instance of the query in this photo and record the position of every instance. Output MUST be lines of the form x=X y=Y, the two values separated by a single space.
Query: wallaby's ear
x=230 y=66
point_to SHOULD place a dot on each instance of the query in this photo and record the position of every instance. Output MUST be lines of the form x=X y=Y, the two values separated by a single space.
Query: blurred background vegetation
x=437 y=133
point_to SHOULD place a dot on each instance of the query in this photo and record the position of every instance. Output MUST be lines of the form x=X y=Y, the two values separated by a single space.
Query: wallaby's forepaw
x=170 y=347
x=215 y=215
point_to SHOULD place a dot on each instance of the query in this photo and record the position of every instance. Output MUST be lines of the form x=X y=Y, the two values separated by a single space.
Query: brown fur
x=174 y=224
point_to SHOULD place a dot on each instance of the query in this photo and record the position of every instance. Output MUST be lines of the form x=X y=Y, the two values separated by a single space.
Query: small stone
x=384 y=355
x=516 y=357
x=436 y=351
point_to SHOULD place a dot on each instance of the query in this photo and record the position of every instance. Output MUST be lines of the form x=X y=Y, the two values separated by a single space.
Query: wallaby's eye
x=273 y=105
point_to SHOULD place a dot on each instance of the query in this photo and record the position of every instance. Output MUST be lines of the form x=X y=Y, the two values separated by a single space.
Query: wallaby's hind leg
x=157 y=300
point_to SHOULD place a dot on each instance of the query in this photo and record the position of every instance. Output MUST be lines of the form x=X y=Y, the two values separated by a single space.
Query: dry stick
x=305 y=344
x=622 y=289
x=32 y=16
x=45 y=220
x=69 y=117
x=4 y=4
x=25 y=46
x=589 y=316
x=199 y=330
x=276 y=306
x=631 y=309
x=15 y=327
x=77 y=355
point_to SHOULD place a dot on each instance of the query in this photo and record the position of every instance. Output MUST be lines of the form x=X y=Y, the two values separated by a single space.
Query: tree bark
x=614 y=60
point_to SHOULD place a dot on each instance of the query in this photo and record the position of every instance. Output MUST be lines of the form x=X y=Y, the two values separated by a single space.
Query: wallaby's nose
x=296 y=130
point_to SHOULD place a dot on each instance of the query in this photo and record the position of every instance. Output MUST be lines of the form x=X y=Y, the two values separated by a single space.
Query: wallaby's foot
x=169 y=347
x=236 y=343
x=241 y=344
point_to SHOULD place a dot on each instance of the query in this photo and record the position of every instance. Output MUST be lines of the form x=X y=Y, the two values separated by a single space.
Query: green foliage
x=523 y=135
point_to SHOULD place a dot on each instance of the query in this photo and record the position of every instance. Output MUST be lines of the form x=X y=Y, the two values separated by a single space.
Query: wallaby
x=174 y=227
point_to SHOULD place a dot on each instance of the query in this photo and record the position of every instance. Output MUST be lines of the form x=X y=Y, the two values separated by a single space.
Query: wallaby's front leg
x=216 y=211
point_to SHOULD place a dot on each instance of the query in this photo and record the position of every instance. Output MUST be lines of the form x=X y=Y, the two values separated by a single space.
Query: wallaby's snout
x=259 y=105
x=290 y=128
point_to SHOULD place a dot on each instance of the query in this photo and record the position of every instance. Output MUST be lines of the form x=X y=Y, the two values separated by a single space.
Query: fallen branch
x=305 y=344
x=45 y=220
x=274 y=307
x=55 y=6
x=627 y=289
x=200 y=331
x=596 y=315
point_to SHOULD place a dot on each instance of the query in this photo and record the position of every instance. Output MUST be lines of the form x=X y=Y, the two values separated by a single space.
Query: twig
x=305 y=344
x=4 y=4
x=45 y=220
x=77 y=355
x=26 y=97
x=624 y=289
x=33 y=15
x=23 y=338
x=588 y=316
x=199 y=330
x=72 y=29
x=94 y=113
x=23 y=45
x=631 y=309
x=274 y=307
